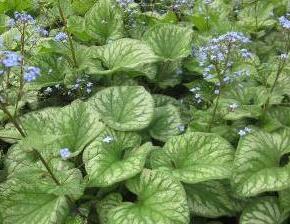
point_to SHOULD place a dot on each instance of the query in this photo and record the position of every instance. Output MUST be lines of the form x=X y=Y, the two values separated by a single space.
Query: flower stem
x=71 y=45
x=21 y=80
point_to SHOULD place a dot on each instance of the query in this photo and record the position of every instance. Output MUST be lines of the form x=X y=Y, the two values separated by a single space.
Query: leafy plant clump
x=144 y=112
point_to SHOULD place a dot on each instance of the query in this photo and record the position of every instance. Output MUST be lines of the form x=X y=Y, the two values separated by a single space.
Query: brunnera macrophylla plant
x=144 y=112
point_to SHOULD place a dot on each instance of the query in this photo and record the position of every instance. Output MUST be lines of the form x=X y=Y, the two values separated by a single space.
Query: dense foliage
x=144 y=112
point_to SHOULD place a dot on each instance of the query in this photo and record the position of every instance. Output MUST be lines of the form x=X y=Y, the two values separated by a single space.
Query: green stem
x=21 y=80
x=72 y=49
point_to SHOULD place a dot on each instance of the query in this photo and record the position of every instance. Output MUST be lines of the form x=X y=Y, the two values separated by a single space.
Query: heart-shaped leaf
x=125 y=108
x=211 y=199
x=112 y=162
x=161 y=199
x=170 y=42
x=104 y=21
x=165 y=123
x=263 y=211
x=257 y=163
x=277 y=117
x=195 y=157
x=31 y=195
x=72 y=127
x=106 y=204
x=126 y=55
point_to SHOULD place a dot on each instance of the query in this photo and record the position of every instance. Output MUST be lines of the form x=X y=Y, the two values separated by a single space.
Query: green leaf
x=104 y=22
x=82 y=6
x=161 y=199
x=125 y=108
x=211 y=199
x=25 y=204
x=170 y=42
x=284 y=200
x=277 y=117
x=30 y=195
x=73 y=127
x=126 y=55
x=106 y=204
x=264 y=210
x=52 y=71
x=165 y=123
x=76 y=26
x=121 y=159
x=257 y=163
x=195 y=157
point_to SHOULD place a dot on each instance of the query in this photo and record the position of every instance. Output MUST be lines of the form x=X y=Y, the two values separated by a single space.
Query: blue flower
x=65 y=153
x=233 y=107
x=181 y=128
x=245 y=131
x=108 y=139
x=23 y=18
x=42 y=32
x=61 y=37
x=31 y=73
x=10 y=59
x=284 y=22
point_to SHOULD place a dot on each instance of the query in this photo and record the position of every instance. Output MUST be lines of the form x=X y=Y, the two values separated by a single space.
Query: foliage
x=144 y=112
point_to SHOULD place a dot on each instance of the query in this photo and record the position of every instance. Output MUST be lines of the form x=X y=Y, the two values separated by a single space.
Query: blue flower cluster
x=61 y=37
x=21 y=19
x=285 y=22
x=179 y=4
x=218 y=48
x=216 y=56
x=197 y=95
x=10 y=59
x=31 y=73
x=82 y=84
x=125 y=3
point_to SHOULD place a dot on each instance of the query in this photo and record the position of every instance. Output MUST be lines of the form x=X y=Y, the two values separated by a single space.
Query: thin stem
x=278 y=73
x=72 y=49
x=214 y=111
x=13 y=120
x=21 y=80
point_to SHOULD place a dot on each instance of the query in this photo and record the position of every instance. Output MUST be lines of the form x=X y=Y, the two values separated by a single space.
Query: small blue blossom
x=245 y=131
x=23 y=18
x=61 y=37
x=88 y=90
x=208 y=1
x=1 y=72
x=89 y=84
x=246 y=54
x=31 y=73
x=217 y=92
x=10 y=59
x=284 y=22
x=284 y=56
x=48 y=91
x=108 y=139
x=42 y=32
x=233 y=107
x=242 y=133
x=194 y=89
x=65 y=153
x=125 y=3
x=181 y=128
